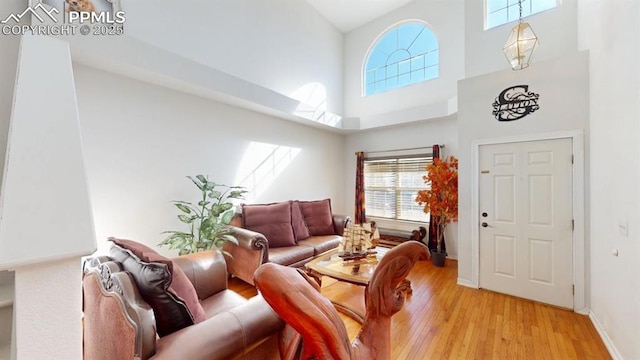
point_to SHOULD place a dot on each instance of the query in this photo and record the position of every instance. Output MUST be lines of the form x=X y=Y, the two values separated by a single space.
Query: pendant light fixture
x=521 y=44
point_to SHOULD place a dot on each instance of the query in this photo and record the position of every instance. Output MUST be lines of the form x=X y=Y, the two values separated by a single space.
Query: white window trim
x=486 y=15
x=363 y=67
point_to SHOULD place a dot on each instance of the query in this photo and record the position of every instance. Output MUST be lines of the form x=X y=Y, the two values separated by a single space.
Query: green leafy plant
x=208 y=220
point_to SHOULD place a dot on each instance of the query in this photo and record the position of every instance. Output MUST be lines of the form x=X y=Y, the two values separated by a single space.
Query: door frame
x=578 y=178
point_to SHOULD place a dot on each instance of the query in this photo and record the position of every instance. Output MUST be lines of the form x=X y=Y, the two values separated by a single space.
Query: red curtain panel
x=360 y=216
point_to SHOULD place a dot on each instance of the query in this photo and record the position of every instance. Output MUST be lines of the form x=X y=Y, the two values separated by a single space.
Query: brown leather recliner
x=120 y=324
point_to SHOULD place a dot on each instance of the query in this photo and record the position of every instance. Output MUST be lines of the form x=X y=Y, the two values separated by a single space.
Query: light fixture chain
x=520 y=8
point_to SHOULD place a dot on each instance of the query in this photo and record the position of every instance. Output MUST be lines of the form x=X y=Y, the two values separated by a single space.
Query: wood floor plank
x=443 y=320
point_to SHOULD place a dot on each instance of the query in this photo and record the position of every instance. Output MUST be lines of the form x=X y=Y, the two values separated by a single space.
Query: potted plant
x=440 y=199
x=207 y=221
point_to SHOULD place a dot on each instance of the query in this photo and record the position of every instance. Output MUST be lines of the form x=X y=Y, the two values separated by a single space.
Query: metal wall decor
x=514 y=103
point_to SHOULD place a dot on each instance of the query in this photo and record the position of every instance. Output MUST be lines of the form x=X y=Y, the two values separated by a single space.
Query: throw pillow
x=162 y=284
x=271 y=220
x=318 y=217
x=300 y=229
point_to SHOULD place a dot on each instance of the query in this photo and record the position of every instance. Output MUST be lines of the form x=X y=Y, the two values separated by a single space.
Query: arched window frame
x=380 y=36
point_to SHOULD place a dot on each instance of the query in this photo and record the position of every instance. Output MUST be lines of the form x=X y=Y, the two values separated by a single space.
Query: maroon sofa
x=289 y=233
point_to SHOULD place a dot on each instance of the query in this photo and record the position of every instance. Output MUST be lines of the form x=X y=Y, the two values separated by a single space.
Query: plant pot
x=437 y=258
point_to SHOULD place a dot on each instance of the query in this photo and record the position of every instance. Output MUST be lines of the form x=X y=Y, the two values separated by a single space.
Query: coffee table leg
x=315 y=276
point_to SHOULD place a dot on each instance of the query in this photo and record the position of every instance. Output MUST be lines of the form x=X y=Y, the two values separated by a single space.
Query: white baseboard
x=467 y=283
x=584 y=311
x=613 y=351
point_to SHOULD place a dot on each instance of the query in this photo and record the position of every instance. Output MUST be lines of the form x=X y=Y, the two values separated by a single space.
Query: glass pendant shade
x=520 y=45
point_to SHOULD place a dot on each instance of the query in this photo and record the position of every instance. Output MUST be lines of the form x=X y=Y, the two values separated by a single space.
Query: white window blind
x=391 y=186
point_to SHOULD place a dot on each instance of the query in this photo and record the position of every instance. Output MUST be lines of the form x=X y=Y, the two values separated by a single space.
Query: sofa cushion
x=164 y=286
x=290 y=255
x=300 y=229
x=222 y=301
x=271 y=220
x=317 y=216
x=321 y=243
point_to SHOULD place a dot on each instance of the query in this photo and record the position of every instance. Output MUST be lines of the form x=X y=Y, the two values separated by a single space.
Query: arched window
x=406 y=54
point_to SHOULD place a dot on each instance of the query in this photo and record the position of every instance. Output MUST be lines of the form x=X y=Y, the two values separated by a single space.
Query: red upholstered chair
x=119 y=323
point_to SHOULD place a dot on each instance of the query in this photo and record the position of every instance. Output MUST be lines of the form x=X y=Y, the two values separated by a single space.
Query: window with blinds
x=391 y=187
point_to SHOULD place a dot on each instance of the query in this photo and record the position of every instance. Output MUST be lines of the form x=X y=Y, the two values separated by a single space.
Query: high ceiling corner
x=347 y=15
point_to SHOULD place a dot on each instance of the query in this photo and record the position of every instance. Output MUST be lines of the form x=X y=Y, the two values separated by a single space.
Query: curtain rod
x=406 y=149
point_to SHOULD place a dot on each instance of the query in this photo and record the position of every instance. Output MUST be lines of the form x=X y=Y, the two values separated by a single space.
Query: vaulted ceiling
x=347 y=15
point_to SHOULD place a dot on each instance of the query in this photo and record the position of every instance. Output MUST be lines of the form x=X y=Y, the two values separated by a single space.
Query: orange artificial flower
x=441 y=199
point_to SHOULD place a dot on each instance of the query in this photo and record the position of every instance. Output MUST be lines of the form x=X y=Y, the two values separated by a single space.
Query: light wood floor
x=443 y=320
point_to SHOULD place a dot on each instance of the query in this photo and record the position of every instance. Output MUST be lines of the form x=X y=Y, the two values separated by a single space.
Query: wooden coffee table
x=356 y=272
x=352 y=271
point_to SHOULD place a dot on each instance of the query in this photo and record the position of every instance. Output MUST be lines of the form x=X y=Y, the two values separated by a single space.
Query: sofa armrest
x=207 y=271
x=117 y=322
x=232 y=332
x=251 y=252
x=340 y=222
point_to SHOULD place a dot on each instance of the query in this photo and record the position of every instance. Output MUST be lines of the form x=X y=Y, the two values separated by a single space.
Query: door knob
x=484 y=224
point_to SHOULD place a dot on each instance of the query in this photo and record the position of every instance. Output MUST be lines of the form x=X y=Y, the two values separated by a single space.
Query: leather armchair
x=119 y=323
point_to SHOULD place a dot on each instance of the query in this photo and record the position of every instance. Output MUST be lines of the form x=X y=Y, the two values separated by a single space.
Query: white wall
x=44 y=153
x=142 y=140
x=9 y=46
x=44 y=142
x=282 y=45
x=610 y=31
x=49 y=295
x=555 y=28
x=424 y=134
x=446 y=19
x=563 y=87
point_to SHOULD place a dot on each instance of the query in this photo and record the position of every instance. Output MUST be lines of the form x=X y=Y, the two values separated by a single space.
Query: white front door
x=526 y=225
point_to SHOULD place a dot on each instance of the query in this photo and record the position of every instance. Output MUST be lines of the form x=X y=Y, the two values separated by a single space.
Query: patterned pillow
x=318 y=217
x=164 y=286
